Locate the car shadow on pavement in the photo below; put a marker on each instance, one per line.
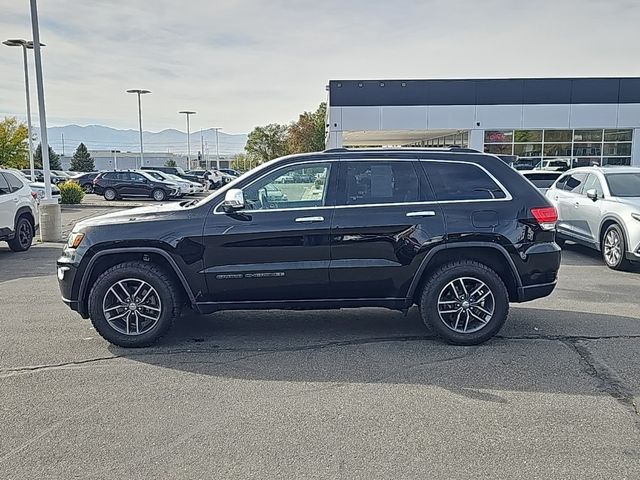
(38, 261)
(378, 346)
(575, 254)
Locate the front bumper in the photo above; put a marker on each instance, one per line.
(69, 284)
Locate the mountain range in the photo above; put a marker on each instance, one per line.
(99, 137)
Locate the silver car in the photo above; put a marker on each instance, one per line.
(600, 207)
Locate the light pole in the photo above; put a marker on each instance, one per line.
(18, 42)
(140, 92)
(115, 159)
(188, 113)
(217, 149)
(50, 216)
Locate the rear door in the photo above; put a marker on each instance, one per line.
(384, 224)
(568, 205)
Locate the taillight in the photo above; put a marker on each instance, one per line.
(34, 195)
(546, 217)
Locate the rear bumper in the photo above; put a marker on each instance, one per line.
(531, 292)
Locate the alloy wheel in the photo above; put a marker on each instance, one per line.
(466, 305)
(132, 306)
(612, 247)
(24, 234)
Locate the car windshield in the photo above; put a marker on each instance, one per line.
(180, 171)
(156, 175)
(624, 184)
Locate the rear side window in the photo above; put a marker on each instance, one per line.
(4, 186)
(14, 182)
(381, 182)
(453, 181)
(575, 182)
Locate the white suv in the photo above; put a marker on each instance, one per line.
(18, 211)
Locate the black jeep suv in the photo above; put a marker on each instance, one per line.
(456, 232)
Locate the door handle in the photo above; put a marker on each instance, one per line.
(426, 213)
(309, 219)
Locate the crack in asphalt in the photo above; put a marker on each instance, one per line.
(609, 382)
(257, 351)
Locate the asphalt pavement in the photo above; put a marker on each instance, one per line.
(349, 394)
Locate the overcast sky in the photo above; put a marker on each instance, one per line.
(250, 62)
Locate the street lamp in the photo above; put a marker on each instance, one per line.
(115, 158)
(140, 92)
(217, 149)
(18, 42)
(188, 113)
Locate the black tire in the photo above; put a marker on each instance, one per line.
(110, 194)
(87, 187)
(439, 284)
(613, 261)
(24, 235)
(159, 195)
(165, 287)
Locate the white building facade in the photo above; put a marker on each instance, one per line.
(587, 120)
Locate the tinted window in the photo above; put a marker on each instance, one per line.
(624, 184)
(136, 177)
(14, 182)
(4, 186)
(381, 182)
(461, 181)
(297, 186)
(561, 183)
(156, 175)
(593, 183)
(575, 182)
(541, 180)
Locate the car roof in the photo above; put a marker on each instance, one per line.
(543, 172)
(604, 170)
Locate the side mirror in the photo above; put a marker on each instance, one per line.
(233, 200)
(592, 193)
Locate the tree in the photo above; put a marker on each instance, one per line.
(170, 163)
(14, 152)
(243, 162)
(308, 133)
(54, 158)
(268, 142)
(81, 160)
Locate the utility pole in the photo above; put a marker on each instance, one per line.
(201, 147)
(140, 91)
(62, 144)
(217, 149)
(188, 113)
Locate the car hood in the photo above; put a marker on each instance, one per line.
(140, 214)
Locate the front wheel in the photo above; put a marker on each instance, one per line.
(134, 304)
(24, 236)
(159, 195)
(614, 248)
(464, 302)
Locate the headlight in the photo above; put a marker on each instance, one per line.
(636, 216)
(75, 239)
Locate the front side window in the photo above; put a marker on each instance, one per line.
(379, 181)
(593, 183)
(297, 186)
(624, 184)
(575, 182)
(454, 181)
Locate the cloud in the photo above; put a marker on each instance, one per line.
(241, 63)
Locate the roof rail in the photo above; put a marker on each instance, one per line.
(452, 148)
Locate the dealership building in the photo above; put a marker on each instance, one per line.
(586, 121)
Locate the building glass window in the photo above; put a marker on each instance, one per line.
(557, 150)
(527, 136)
(618, 135)
(587, 135)
(499, 148)
(527, 149)
(587, 149)
(498, 136)
(617, 149)
(553, 136)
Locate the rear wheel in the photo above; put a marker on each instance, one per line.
(87, 188)
(464, 302)
(110, 194)
(159, 195)
(24, 235)
(614, 248)
(134, 304)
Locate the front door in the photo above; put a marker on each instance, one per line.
(8, 204)
(384, 223)
(277, 247)
(137, 185)
(589, 214)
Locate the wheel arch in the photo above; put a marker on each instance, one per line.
(105, 259)
(24, 212)
(606, 222)
(493, 255)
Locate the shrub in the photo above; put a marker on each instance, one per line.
(71, 193)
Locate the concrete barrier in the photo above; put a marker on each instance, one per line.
(50, 221)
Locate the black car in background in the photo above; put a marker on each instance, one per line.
(175, 171)
(124, 183)
(456, 232)
(85, 180)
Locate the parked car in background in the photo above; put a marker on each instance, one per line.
(124, 183)
(37, 187)
(541, 179)
(18, 211)
(187, 187)
(385, 228)
(600, 207)
(555, 164)
(178, 171)
(230, 171)
(85, 180)
(55, 179)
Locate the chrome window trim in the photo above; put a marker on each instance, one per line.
(508, 197)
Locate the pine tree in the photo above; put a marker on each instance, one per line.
(81, 160)
(54, 158)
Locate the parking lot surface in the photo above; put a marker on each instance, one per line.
(342, 394)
